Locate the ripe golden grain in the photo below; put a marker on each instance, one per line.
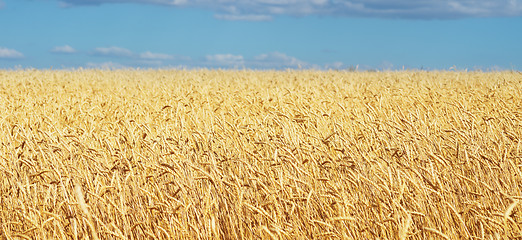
(167, 154)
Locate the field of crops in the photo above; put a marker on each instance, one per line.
(200, 154)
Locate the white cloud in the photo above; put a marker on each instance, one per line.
(155, 56)
(261, 10)
(63, 49)
(178, 2)
(278, 60)
(126, 53)
(135, 60)
(71, 3)
(225, 60)
(1, 4)
(7, 53)
(334, 65)
(273, 60)
(105, 65)
(113, 52)
(248, 17)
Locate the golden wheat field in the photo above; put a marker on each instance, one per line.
(214, 154)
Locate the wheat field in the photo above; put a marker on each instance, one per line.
(215, 154)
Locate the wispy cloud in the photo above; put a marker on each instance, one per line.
(262, 10)
(120, 52)
(105, 65)
(278, 60)
(225, 60)
(123, 58)
(72, 3)
(113, 52)
(155, 56)
(1, 4)
(273, 60)
(248, 17)
(6, 53)
(63, 49)
(335, 65)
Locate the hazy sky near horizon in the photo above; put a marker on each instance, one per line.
(262, 34)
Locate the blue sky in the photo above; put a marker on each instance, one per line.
(262, 34)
